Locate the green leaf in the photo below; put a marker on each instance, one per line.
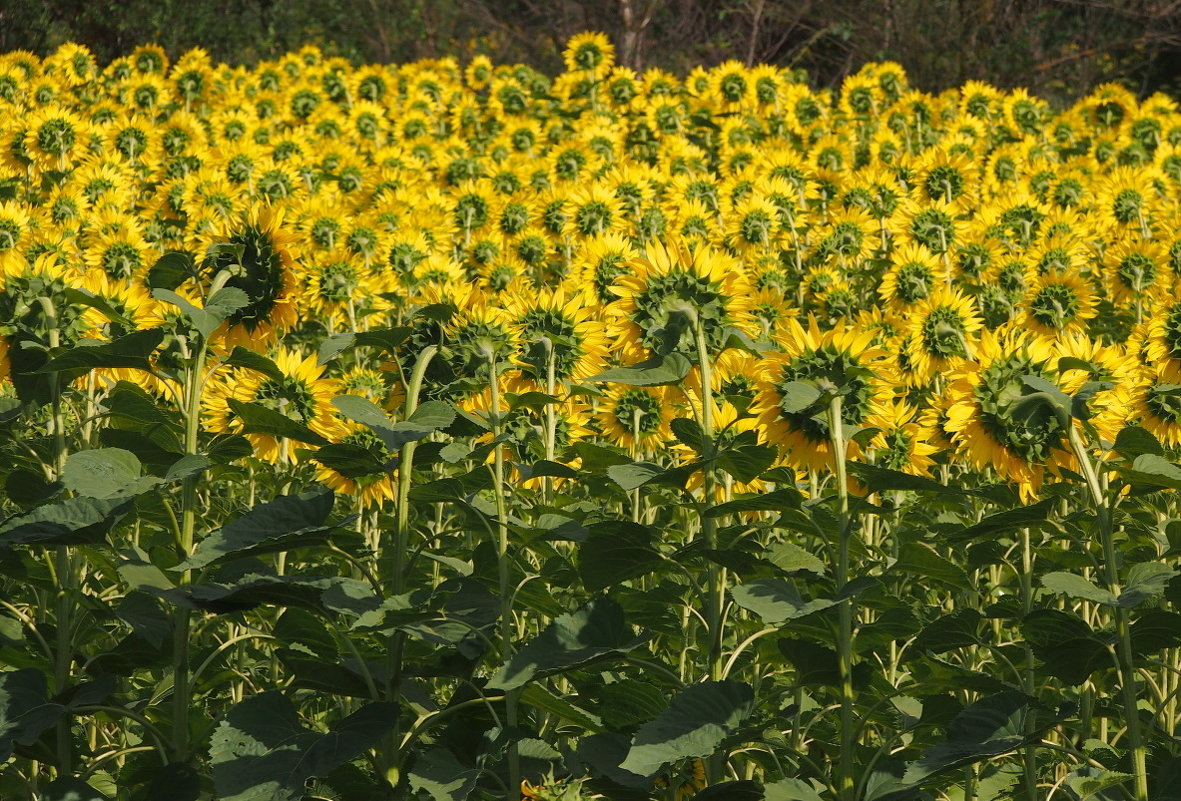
(351, 461)
(1133, 441)
(1154, 630)
(1153, 470)
(880, 479)
(616, 551)
(791, 790)
(441, 776)
(131, 351)
(776, 600)
(661, 371)
(920, 559)
(258, 419)
(1008, 520)
(536, 695)
(427, 418)
(946, 632)
(171, 270)
(261, 752)
(74, 521)
(1075, 586)
(634, 475)
(25, 709)
(217, 309)
(779, 500)
(739, 790)
(1145, 580)
(242, 357)
(988, 728)
(688, 433)
(796, 396)
(745, 462)
(696, 722)
(386, 339)
(251, 590)
(105, 473)
(592, 633)
(289, 521)
(790, 558)
(1087, 780)
(70, 789)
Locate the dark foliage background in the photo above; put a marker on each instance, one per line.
(1058, 48)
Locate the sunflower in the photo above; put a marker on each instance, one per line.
(590, 52)
(334, 285)
(263, 270)
(54, 138)
(636, 418)
(840, 359)
(556, 328)
(902, 443)
(993, 420)
(1132, 268)
(1059, 303)
(912, 278)
(355, 471)
(671, 291)
(595, 211)
(941, 330)
(16, 227)
(301, 394)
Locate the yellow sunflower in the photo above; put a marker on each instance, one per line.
(839, 359)
(302, 394)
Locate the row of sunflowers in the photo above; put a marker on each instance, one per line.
(657, 297)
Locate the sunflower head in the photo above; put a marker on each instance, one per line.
(259, 255)
(672, 292)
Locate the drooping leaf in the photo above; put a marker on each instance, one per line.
(287, 522)
(1145, 580)
(441, 776)
(796, 396)
(130, 351)
(778, 500)
(261, 751)
(694, 725)
(1152, 470)
(776, 600)
(661, 371)
(252, 360)
(881, 479)
(258, 419)
(25, 709)
(427, 418)
(920, 559)
(791, 790)
(616, 551)
(71, 789)
(1067, 647)
(790, 558)
(1075, 586)
(105, 473)
(593, 632)
(74, 521)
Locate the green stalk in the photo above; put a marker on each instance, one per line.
(845, 788)
(401, 548)
(502, 564)
(709, 526)
(1029, 752)
(64, 563)
(181, 687)
(1127, 667)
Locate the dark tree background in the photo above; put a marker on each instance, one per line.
(1058, 48)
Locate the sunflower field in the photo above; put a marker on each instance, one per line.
(442, 432)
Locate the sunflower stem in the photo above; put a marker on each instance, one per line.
(400, 549)
(1127, 666)
(502, 563)
(64, 567)
(845, 784)
(191, 393)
